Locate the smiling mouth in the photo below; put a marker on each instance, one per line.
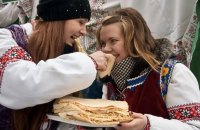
(74, 37)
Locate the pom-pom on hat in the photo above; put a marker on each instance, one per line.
(55, 10)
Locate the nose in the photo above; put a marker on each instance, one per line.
(83, 30)
(106, 48)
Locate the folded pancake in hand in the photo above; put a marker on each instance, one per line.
(94, 111)
(111, 61)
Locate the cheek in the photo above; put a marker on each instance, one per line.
(69, 30)
(122, 54)
(125, 54)
(66, 33)
(66, 38)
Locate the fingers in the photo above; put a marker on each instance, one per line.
(138, 123)
(136, 115)
(101, 60)
(125, 126)
(108, 56)
(139, 115)
(33, 22)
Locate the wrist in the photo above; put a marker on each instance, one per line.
(95, 63)
(147, 125)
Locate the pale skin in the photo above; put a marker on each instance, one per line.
(73, 29)
(112, 42)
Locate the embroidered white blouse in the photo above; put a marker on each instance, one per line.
(24, 83)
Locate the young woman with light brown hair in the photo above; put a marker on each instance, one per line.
(162, 93)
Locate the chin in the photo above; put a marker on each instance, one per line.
(117, 61)
(70, 42)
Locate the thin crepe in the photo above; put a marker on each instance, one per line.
(94, 111)
(111, 61)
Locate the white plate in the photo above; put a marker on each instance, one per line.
(76, 122)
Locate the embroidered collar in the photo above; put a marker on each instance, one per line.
(132, 83)
(166, 73)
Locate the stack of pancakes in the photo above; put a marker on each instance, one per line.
(94, 111)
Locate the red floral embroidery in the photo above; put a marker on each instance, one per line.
(185, 112)
(12, 55)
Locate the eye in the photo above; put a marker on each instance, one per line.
(82, 22)
(113, 41)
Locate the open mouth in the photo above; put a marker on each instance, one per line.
(74, 37)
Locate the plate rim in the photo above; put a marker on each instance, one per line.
(75, 122)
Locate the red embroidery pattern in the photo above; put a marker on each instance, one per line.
(148, 125)
(12, 55)
(185, 112)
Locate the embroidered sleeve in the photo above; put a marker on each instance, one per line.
(183, 97)
(24, 83)
(182, 101)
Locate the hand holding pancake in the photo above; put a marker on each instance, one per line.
(109, 66)
(100, 59)
(139, 123)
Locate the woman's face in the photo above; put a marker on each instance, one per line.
(112, 41)
(73, 29)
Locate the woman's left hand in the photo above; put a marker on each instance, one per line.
(138, 123)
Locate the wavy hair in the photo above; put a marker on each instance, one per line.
(139, 41)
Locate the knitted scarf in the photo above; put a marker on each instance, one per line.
(124, 70)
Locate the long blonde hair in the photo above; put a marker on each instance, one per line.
(138, 39)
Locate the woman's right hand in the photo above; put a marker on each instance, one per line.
(138, 123)
(101, 60)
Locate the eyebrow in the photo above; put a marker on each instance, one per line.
(84, 20)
